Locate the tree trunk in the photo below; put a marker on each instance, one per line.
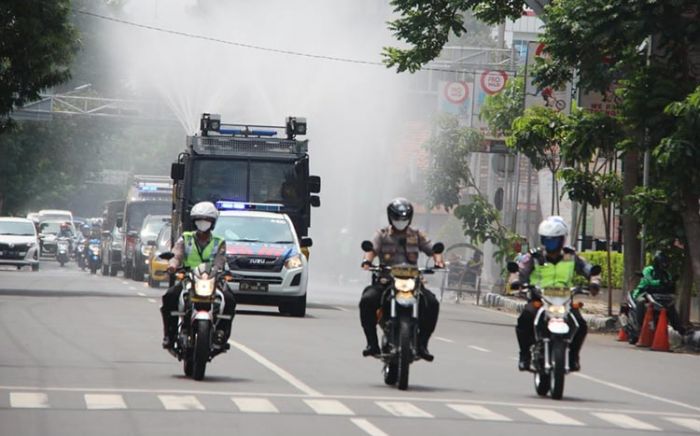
(691, 222)
(685, 290)
(630, 226)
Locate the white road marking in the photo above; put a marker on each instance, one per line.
(625, 421)
(255, 405)
(180, 402)
(483, 350)
(140, 294)
(402, 408)
(329, 407)
(367, 427)
(131, 288)
(341, 308)
(29, 400)
(102, 402)
(286, 376)
(690, 423)
(478, 412)
(449, 341)
(152, 300)
(636, 392)
(125, 282)
(551, 417)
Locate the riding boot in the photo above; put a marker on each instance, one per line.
(423, 347)
(574, 362)
(169, 329)
(372, 348)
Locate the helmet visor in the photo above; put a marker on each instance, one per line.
(552, 243)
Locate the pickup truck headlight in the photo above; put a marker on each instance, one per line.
(293, 262)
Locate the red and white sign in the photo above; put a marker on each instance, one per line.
(456, 92)
(493, 82)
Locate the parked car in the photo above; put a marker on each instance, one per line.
(19, 244)
(152, 224)
(157, 267)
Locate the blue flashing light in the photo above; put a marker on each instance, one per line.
(148, 188)
(238, 205)
(247, 132)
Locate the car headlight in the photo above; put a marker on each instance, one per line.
(293, 262)
(404, 285)
(204, 287)
(556, 310)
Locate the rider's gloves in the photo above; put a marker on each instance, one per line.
(515, 285)
(365, 264)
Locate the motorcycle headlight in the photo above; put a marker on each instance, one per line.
(146, 250)
(404, 284)
(557, 311)
(293, 262)
(204, 287)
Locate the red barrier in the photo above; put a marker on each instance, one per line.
(646, 336)
(661, 334)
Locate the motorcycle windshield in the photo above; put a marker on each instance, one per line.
(557, 296)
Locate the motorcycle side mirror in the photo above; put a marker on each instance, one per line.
(166, 256)
(438, 248)
(512, 267)
(596, 270)
(367, 246)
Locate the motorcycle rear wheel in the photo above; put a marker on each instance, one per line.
(202, 346)
(558, 370)
(405, 354)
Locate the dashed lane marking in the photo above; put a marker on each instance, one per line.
(140, 294)
(689, 423)
(403, 409)
(283, 374)
(180, 402)
(29, 400)
(551, 417)
(368, 427)
(478, 413)
(152, 300)
(483, 350)
(255, 405)
(329, 407)
(625, 421)
(104, 402)
(449, 341)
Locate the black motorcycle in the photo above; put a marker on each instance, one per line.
(399, 315)
(555, 327)
(659, 298)
(200, 308)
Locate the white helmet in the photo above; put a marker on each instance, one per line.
(204, 211)
(552, 227)
(553, 231)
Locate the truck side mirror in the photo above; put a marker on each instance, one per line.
(315, 200)
(177, 171)
(314, 184)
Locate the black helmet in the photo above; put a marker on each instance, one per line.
(661, 261)
(400, 213)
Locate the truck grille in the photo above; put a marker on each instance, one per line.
(260, 263)
(247, 278)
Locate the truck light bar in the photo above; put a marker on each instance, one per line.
(247, 132)
(240, 205)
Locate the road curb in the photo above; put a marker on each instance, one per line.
(595, 322)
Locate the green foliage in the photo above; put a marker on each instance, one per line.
(449, 150)
(502, 109)
(538, 135)
(37, 44)
(595, 189)
(426, 26)
(601, 258)
(660, 214)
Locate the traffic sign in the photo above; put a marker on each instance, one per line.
(493, 82)
(456, 92)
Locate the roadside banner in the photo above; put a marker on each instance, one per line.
(456, 98)
(555, 98)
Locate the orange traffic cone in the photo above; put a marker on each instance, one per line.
(661, 334)
(646, 336)
(622, 335)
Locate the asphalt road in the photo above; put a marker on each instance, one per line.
(81, 354)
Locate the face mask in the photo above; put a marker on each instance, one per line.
(400, 224)
(202, 225)
(552, 244)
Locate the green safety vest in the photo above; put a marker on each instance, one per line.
(549, 275)
(193, 256)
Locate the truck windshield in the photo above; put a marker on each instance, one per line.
(136, 212)
(227, 179)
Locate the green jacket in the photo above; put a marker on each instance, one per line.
(193, 256)
(651, 279)
(550, 275)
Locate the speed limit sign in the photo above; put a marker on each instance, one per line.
(456, 92)
(493, 82)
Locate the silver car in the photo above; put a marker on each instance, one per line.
(265, 256)
(19, 245)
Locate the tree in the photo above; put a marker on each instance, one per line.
(427, 25)
(502, 109)
(37, 44)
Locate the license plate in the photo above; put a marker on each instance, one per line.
(253, 286)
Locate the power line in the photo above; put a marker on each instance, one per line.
(257, 47)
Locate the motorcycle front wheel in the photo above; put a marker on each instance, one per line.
(405, 353)
(558, 370)
(202, 345)
(391, 373)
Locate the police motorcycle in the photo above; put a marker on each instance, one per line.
(554, 327)
(63, 250)
(94, 255)
(398, 315)
(201, 306)
(662, 297)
